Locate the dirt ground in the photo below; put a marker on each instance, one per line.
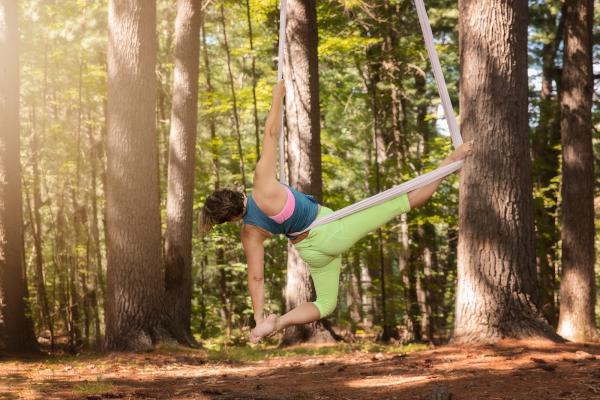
(529, 370)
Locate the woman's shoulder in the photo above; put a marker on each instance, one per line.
(249, 230)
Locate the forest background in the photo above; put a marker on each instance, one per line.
(375, 83)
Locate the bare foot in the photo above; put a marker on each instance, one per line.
(265, 328)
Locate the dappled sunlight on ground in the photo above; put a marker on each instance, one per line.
(509, 370)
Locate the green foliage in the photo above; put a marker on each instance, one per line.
(371, 58)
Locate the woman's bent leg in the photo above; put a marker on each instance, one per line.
(322, 251)
(327, 281)
(305, 313)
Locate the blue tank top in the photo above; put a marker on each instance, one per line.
(305, 212)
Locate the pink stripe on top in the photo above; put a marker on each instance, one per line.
(288, 209)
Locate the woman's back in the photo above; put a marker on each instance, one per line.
(298, 213)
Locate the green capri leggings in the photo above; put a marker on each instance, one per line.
(323, 246)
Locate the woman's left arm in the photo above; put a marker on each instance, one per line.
(252, 242)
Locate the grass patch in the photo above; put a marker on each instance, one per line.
(218, 352)
(93, 388)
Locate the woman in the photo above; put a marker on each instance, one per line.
(273, 208)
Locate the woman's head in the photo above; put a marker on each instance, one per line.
(223, 205)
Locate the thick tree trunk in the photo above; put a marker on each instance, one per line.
(16, 328)
(497, 289)
(304, 146)
(135, 281)
(182, 139)
(577, 285)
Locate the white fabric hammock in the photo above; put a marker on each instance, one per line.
(405, 187)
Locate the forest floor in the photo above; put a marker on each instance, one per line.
(512, 370)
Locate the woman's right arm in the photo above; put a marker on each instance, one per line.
(266, 168)
(255, 253)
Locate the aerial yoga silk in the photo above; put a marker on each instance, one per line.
(405, 187)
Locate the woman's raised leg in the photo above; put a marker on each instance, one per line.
(342, 234)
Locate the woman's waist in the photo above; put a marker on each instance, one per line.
(321, 211)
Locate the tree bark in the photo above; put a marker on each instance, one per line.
(304, 147)
(184, 118)
(577, 285)
(16, 328)
(135, 281)
(497, 293)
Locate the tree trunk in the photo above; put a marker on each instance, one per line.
(254, 78)
(182, 139)
(577, 285)
(354, 295)
(16, 328)
(376, 155)
(234, 104)
(389, 330)
(427, 290)
(409, 272)
(304, 147)
(37, 204)
(135, 281)
(75, 267)
(545, 140)
(210, 94)
(214, 148)
(497, 293)
(98, 291)
(225, 294)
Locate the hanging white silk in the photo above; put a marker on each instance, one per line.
(280, 66)
(405, 187)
